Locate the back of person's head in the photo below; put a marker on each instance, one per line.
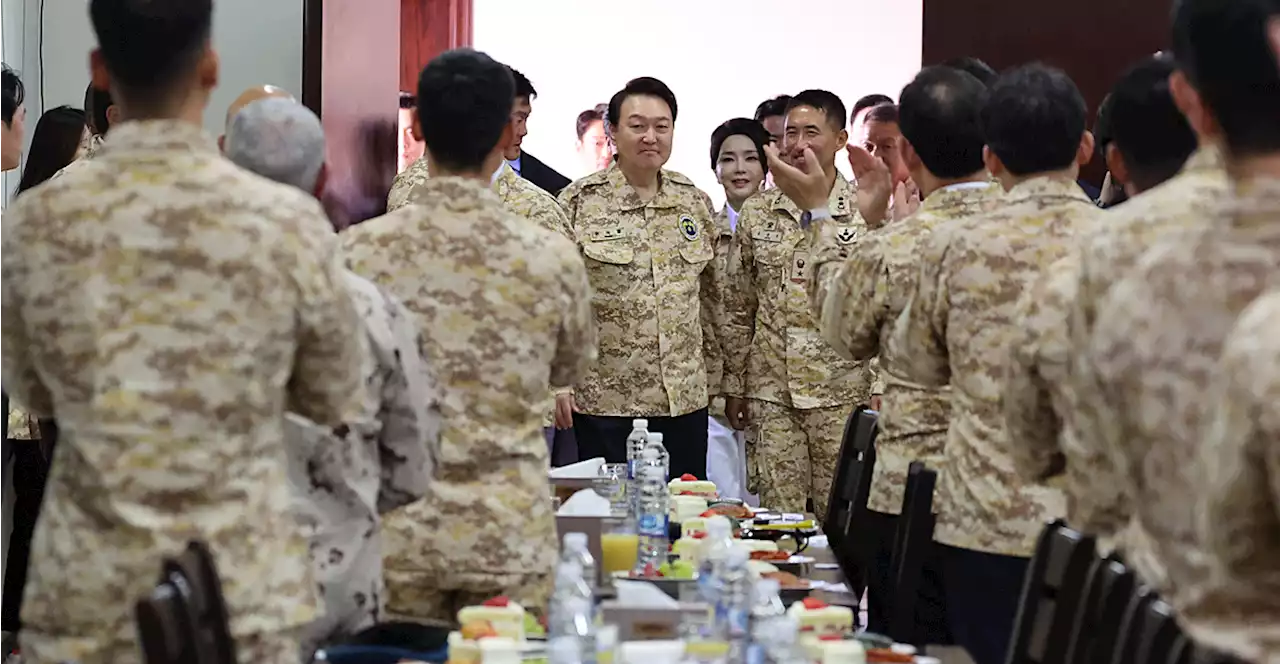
(97, 104)
(752, 129)
(524, 87)
(870, 101)
(464, 107)
(645, 86)
(591, 115)
(1223, 48)
(939, 115)
(770, 108)
(974, 67)
(13, 93)
(53, 145)
(1145, 126)
(147, 47)
(1034, 120)
(824, 101)
(280, 140)
(884, 113)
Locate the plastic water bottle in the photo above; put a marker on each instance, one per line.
(572, 611)
(715, 551)
(564, 650)
(773, 632)
(655, 442)
(635, 444)
(652, 503)
(732, 617)
(576, 552)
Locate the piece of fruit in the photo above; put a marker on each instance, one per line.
(709, 513)
(501, 601)
(478, 629)
(681, 569)
(688, 478)
(687, 493)
(813, 603)
(831, 637)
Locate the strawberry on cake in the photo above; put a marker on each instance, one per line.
(818, 619)
(690, 485)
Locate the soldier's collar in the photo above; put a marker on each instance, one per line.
(1205, 158)
(630, 200)
(162, 135)
(950, 196)
(1047, 186)
(461, 194)
(843, 199)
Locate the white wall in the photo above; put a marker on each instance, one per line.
(258, 41)
(720, 57)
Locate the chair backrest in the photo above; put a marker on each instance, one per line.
(1097, 625)
(1051, 596)
(848, 499)
(185, 619)
(1126, 649)
(912, 545)
(1160, 640)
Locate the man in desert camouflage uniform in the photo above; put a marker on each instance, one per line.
(857, 309)
(1150, 141)
(956, 331)
(345, 478)
(800, 391)
(649, 239)
(504, 307)
(1241, 461)
(1159, 331)
(169, 308)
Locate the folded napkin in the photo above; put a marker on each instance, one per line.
(583, 470)
(643, 595)
(585, 502)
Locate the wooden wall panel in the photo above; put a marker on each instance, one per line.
(1092, 40)
(427, 29)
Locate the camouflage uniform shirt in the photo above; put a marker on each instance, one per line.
(345, 478)
(773, 351)
(858, 309)
(1239, 524)
(168, 307)
(504, 308)
(957, 330)
(1154, 354)
(1182, 204)
(655, 293)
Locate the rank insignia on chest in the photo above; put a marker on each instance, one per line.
(688, 227)
(846, 234)
(842, 206)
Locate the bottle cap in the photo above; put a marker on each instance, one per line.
(640, 423)
(655, 437)
(719, 527)
(575, 541)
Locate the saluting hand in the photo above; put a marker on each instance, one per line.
(807, 188)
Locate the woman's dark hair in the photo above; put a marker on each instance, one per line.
(53, 145)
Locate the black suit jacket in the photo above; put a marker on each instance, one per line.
(542, 175)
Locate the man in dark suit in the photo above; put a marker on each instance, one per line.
(525, 164)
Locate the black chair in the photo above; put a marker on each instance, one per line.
(1051, 596)
(912, 546)
(184, 621)
(1160, 640)
(847, 503)
(1097, 625)
(1126, 650)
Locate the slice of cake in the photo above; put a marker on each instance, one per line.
(759, 545)
(817, 618)
(464, 645)
(688, 548)
(506, 617)
(687, 507)
(688, 485)
(695, 527)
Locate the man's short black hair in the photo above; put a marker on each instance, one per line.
(974, 67)
(14, 93)
(408, 101)
(870, 101)
(149, 45)
(1034, 119)
(524, 88)
(464, 104)
(1223, 48)
(772, 107)
(938, 114)
(752, 129)
(882, 113)
(645, 86)
(824, 101)
(1146, 126)
(96, 103)
(594, 114)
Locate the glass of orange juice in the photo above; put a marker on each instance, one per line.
(618, 544)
